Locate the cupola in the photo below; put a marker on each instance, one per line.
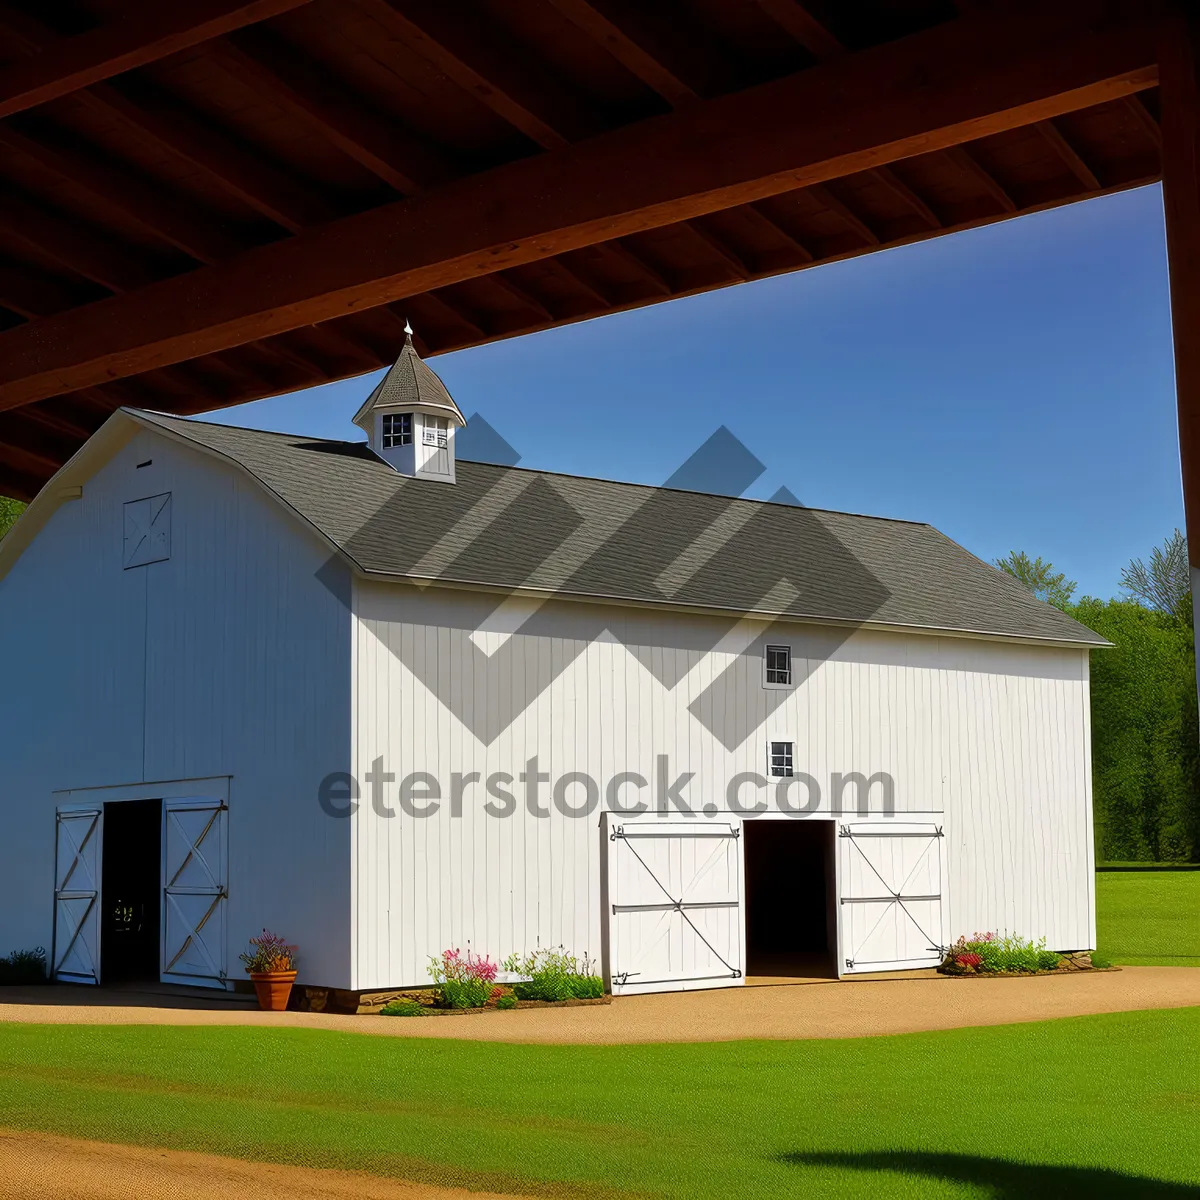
(410, 419)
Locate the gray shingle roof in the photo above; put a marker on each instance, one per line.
(510, 528)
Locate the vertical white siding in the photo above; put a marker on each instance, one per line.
(229, 659)
(992, 737)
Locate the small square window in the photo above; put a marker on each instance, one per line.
(779, 665)
(397, 430)
(434, 432)
(780, 756)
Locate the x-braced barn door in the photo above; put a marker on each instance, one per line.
(76, 954)
(890, 892)
(675, 905)
(195, 887)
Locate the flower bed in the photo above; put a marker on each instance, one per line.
(996, 955)
(553, 976)
(466, 983)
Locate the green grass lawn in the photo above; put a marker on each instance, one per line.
(1090, 1106)
(1149, 918)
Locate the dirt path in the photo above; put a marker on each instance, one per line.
(36, 1166)
(851, 1008)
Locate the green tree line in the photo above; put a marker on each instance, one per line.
(1145, 741)
(10, 510)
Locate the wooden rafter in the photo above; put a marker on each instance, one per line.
(522, 295)
(1145, 118)
(1070, 156)
(643, 39)
(156, 117)
(823, 196)
(470, 48)
(79, 247)
(729, 258)
(32, 294)
(967, 163)
(617, 249)
(240, 170)
(396, 155)
(954, 82)
(154, 31)
(804, 28)
(824, 46)
(168, 217)
(905, 194)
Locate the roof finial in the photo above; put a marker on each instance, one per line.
(408, 329)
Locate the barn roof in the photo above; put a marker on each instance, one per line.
(524, 530)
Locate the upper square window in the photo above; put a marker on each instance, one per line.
(779, 756)
(397, 430)
(779, 664)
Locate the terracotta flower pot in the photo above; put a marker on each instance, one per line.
(273, 988)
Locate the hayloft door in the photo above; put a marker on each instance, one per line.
(195, 889)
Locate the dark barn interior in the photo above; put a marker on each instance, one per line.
(131, 891)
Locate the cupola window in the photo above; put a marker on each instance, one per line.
(397, 430)
(433, 432)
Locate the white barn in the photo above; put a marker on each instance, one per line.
(386, 704)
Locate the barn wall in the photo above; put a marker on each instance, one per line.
(230, 659)
(993, 737)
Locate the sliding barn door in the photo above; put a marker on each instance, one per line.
(890, 895)
(674, 891)
(195, 889)
(76, 953)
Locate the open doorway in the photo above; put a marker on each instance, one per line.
(791, 926)
(131, 891)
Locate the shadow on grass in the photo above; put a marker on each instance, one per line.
(1004, 1180)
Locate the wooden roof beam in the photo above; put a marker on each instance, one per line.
(793, 17)
(51, 445)
(151, 31)
(729, 258)
(484, 60)
(823, 196)
(952, 83)
(453, 311)
(906, 195)
(636, 262)
(804, 28)
(401, 158)
(20, 485)
(968, 163)
(31, 294)
(793, 243)
(79, 248)
(644, 39)
(1069, 155)
(160, 211)
(24, 455)
(172, 217)
(41, 416)
(1145, 118)
(242, 171)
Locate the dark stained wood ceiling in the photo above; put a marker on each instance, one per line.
(156, 160)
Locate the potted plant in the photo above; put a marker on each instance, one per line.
(271, 964)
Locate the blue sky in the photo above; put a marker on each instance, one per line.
(1011, 385)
